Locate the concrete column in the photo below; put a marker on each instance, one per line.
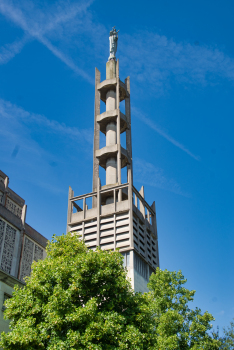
(111, 171)
(111, 134)
(111, 163)
(96, 135)
(110, 100)
(111, 69)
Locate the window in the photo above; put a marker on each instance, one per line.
(5, 297)
(126, 260)
(141, 266)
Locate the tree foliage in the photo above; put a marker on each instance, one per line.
(176, 325)
(227, 340)
(75, 299)
(80, 299)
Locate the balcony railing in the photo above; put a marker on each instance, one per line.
(82, 207)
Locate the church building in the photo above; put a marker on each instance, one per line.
(20, 244)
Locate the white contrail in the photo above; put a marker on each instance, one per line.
(153, 126)
(7, 52)
(16, 16)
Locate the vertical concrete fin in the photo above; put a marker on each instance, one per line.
(130, 200)
(142, 191)
(6, 181)
(142, 207)
(23, 215)
(128, 131)
(98, 210)
(70, 207)
(154, 224)
(118, 130)
(84, 208)
(96, 134)
(154, 220)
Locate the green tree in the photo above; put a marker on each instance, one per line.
(76, 299)
(227, 340)
(176, 325)
(80, 299)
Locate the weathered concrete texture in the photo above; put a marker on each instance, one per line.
(13, 230)
(111, 134)
(110, 100)
(118, 131)
(111, 163)
(96, 133)
(116, 219)
(16, 254)
(111, 171)
(36, 236)
(111, 69)
(10, 217)
(110, 116)
(3, 175)
(128, 131)
(130, 269)
(15, 197)
(138, 282)
(70, 207)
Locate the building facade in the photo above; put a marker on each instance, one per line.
(20, 244)
(119, 216)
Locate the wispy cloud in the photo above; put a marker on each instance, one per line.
(68, 61)
(158, 61)
(37, 26)
(8, 51)
(69, 30)
(39, 163)
(163, 133)
(147, 174)
(14, 112)
(31, 160)
(221, 313)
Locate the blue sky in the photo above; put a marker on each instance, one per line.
(180, 58)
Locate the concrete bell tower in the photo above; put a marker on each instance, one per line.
(119, 216)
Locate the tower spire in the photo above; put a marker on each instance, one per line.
(119, 217)
(112, 123)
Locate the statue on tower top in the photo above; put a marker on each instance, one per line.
(113, 38)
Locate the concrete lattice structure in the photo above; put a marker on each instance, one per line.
(20, 244)
(119, 217)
